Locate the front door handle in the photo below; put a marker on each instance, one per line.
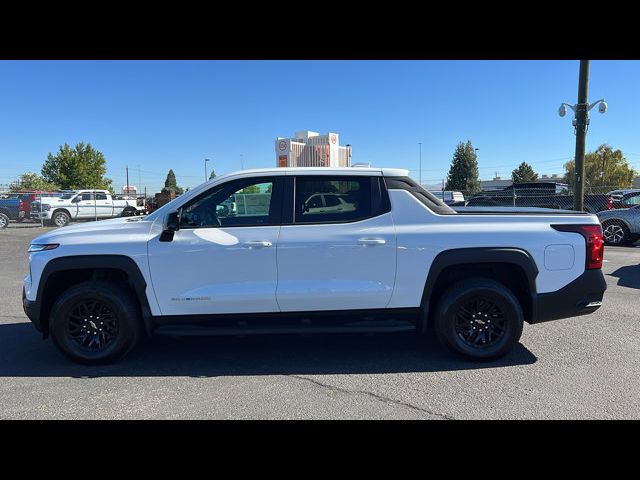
(371, 241)
(257, 244)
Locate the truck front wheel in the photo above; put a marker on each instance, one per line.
(478, 318)
(60, 218)
(95, 322)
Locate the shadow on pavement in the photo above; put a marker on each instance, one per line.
(24, 354)
(629, 276)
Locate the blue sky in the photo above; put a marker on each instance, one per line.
(156, 115)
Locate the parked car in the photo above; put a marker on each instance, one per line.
(326, 203)
(27, 199)
(528, 197)
(618, 194)
(81, 205)
(400, 261)
(628, 200)
(621, 226)
(10, 207)
(448, 196)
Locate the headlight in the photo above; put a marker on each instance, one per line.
(46, 207)
(39, 247)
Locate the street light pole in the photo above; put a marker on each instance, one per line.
(581, 124)
(420, 172)
(205, 169)
(581, 134)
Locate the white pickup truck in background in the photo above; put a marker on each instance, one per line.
(82, 205)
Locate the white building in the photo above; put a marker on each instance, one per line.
(310, 149)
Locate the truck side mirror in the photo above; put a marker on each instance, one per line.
(170, 226)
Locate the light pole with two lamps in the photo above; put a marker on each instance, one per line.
(581, 125)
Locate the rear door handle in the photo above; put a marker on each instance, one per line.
(371, 241)
(257, 244)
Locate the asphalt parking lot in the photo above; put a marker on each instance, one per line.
(580, 368)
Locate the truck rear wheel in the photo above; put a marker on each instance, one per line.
(479, 318)
(95, 322)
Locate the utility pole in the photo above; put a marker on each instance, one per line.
(420, 171)
(205, 169)
(581, 134)
(127, 187)
(581, 124)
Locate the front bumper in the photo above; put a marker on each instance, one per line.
(580, 297)
(32, 310)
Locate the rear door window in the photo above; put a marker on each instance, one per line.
(346, 199)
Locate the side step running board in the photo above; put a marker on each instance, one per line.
(360, 327)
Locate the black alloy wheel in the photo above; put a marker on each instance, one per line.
(95, 322)
(478, 318)
(92, 325)
(480, 323)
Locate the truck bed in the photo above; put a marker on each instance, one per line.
(515, 211)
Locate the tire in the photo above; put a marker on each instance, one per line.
(615, 233)
(128, 212)
(4, 221)
(459, 330)
(60, 218)
(78, 309)
(20, 219)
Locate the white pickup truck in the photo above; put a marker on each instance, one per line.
(394, 259)
(81, 205)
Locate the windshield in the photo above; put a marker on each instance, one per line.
(168, 207)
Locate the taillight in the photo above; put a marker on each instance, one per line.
(609, 203)
(595, 243)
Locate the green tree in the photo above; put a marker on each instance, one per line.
(213, 175)
(75, 168)
(605, 167)
(251, 189)
(524, 173)
(463, 173)
(171, 185)
(33, 181)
